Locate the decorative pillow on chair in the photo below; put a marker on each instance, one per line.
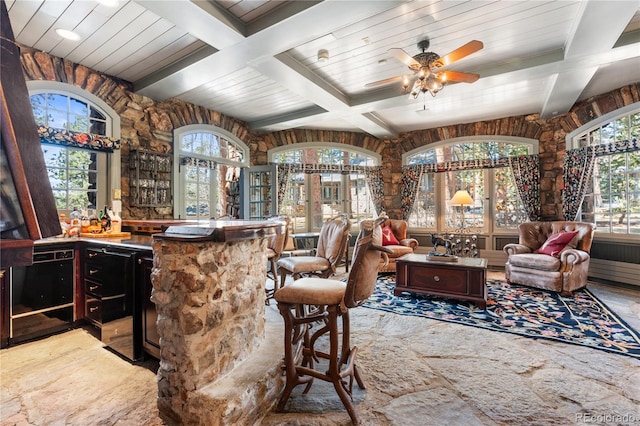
(388, 239)
(556, 243)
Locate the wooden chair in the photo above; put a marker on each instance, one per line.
(312, 300)
(332, 245)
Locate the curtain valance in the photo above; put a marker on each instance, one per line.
(344, 169)
(199, 162)
(451, 166)
(81, 140)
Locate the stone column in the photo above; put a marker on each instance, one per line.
(210, 300)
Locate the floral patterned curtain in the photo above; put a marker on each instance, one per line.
(411, 176)
(283, 180)
(577, 168)
(373, 175)
(525, 170)
(77, 139)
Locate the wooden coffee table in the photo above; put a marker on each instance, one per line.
(464, 279)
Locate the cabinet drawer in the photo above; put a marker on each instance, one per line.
(105, 310)
(449, 280)
(100, 290)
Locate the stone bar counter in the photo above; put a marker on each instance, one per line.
(209, 290)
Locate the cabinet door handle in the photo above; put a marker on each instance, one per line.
(436, 278)
(93, 271)
(93, 309)
(92, 287)
(139, 261)
(92, 255)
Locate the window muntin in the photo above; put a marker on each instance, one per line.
(62, 111)
(311, 199)
(612, 200)
(211, 146)
(497, 205)
(73, 173)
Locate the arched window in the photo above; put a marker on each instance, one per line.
(80, 177)
(606, 160)
(316, 193)
(207, 166)
(479, 166)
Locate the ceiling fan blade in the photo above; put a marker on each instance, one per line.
(403, 57)
(460, 77)
(385, 81)
(461, 52)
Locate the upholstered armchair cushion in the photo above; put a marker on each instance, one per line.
(564, 271)
(405, 244)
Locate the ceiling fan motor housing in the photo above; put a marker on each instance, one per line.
(426, 59)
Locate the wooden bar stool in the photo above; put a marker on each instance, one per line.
(323, 301)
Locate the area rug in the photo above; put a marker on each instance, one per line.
(580, 319)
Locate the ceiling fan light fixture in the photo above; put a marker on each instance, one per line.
(428, 70)
(323, 55)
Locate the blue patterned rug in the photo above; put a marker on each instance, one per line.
(580, 319)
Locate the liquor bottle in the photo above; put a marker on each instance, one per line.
(116, 222)
(105, 219)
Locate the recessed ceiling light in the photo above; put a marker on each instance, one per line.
(323, 55)
(69, 35)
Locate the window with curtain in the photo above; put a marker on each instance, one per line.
(311, 198)
(497, 205)
(612, 193)
(74, 173)
(208, 160)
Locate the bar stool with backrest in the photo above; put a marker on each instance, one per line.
(332, 245)
(275, 247)
(324, 301)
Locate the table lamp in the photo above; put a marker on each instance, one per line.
(461, 198)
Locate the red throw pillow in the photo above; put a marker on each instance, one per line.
(557, 242)
(388, 239)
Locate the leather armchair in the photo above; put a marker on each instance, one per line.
(565, 273)
(405, 244)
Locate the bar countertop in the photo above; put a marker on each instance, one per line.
(222, 230)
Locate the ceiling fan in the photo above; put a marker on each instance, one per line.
(428, 68)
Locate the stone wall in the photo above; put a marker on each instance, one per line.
(149, 124)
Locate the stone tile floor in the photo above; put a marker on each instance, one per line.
(418, 372)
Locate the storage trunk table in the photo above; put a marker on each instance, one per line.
(463, 279)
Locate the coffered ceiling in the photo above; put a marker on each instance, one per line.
(258, 60)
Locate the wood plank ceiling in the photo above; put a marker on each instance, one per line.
(257, 60)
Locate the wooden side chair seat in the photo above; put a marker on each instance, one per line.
(324, 301)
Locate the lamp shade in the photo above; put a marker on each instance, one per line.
(461, 198)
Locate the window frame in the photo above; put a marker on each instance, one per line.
(572, 141)
(179, 176)
(345, 182)
(489, 202)
(109, 164)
